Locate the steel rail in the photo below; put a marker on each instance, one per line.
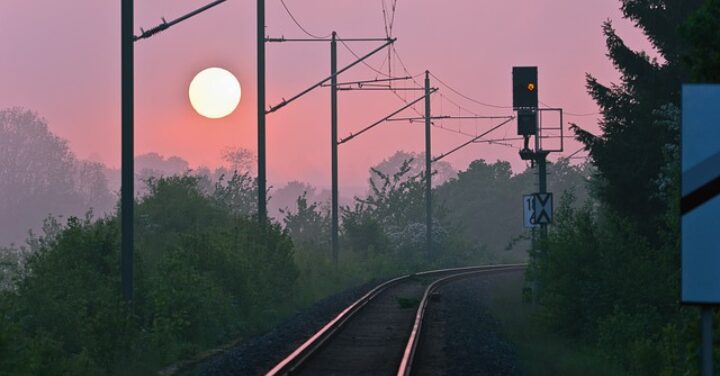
(405, 367)
(299, 356)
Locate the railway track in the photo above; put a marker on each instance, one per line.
(379, 333)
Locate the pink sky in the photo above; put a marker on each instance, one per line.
(62, 59)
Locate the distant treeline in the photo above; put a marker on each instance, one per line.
(206, 272)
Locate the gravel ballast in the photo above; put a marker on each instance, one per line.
(256, 355)
(461, 337)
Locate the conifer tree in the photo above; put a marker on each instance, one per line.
(629, 152)
(702, 33)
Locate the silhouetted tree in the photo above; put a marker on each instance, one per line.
(702, 32)
(629, 152)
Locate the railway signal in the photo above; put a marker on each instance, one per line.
(538, 206)
(525, 87)
(525, 102)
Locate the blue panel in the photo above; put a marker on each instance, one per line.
(701, 226)
(700, 123)
(701, 254)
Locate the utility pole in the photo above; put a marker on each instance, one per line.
(262, 179)
(127, 189)
(542, 188)
(541, 160)
(127, 105)
(334, 88)
(334, 145)
(428, 169)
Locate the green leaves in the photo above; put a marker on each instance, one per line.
(702, 33)
(204, 273)
(629, 154)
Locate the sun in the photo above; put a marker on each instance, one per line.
(214, 93)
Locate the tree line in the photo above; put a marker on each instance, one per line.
(206, 272)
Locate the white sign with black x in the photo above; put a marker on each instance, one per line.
(543, 208)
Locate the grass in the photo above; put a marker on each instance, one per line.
(540, 351)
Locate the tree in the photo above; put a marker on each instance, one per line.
(241, 160)
(308, 224)
(91, 184)
(484, 200)
(39, 175)
(629, 152)
(203, 275)
(442, 170)
(285, 199)
(702, 32)
(609, 271)
(237, 194)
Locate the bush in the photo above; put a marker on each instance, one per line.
(203, 275)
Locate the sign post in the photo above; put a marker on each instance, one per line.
(700, 206)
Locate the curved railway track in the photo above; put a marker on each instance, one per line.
(379, 333)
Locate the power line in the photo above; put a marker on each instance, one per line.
(407, 72)
(496, 141)
(576, 153)
(347, 47)
(466, 96)
(392, 18)
(472, 140)
(300, 26)
(389, 19)
(373, 125)
(385, 18)
(411, 76)
(573, 113)
(285, 102)
(404, 67)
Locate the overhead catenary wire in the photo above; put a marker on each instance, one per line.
(388, 75)
(575, 153)
(392, 18)
(299, 25)
(365, 63)
(319, 84)
(385, 18)
(573, 113)
(496, 141)
(373, 125)
(399, 59)
(467, 97)
(417, 85)
(472, 140)
(389, 20)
